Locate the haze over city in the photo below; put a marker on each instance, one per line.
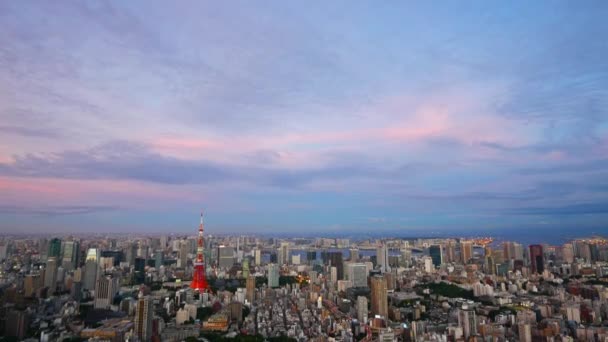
(285, 118)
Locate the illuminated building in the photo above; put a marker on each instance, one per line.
(199, 279)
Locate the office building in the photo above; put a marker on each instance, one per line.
(273, 275)
(143, 318)
(91, 268)
(379, 295)
(71, 253)
(250, 286)
(105, 290)
(283, 254)
(225, 257)
(466, 251)
(382, 258)
(50, 274)
(362, 312)
(436, 253)
(357, 274)
(537, 263)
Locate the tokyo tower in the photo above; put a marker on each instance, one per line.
(199, 280)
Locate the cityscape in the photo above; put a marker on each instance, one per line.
(218, 287)
(327, 171)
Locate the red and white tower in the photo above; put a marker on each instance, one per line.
(199, 280)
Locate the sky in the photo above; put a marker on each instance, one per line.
(284, 117)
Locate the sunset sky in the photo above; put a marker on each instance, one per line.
(300, 117)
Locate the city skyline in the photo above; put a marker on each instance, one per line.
(405, 119)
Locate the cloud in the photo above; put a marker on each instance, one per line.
(51, 211)
(28, 132)
(123, 160)
(590, 208)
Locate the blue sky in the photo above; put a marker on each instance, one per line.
(289, 118)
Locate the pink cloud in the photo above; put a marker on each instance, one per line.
(15, 190)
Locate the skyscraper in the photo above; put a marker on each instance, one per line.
(283, 253)
(335, 259)
(354, 254)
(537, 263)
(225, 255)
(379, 296)
(436, 253)
(143, 318)
(273, 275)
(17, 323)
(50, 274)
(382, 258)
(105, 290)
(250, 285)
(357, 274)
(158, 258)
(466, 251)
(450, 252)
(54, 248)
(91, 268)
(71, 252)
(257, 256)
(362, 309)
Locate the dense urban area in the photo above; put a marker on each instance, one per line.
(138, 288)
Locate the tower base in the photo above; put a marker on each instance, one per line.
(199, 280)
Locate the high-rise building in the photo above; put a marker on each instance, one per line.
(354, 255)
(105, 290)
(184, 250)
(131, 254)
(250, 285)
(406, 257)
(382, 258)
(4, 250)
(17, 323)
(450, 251)
(537, 262)
(357, 274)
(54, 248)
(335, 259)
(436, 253)
(31, 284)
(199, 278)
(466, 251)
(158, 258)
(512, 251)
(143, 318)
(139, 270)
(225, 257)
(467, 321)
(258, 257)
(567, 253)
(379, 296)
(50, 274)
(311, 257)
(362, 309)
(283, 254)
(525, 332)
(91, 268)
(273, 275)
(245, 268)
(71, 252)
